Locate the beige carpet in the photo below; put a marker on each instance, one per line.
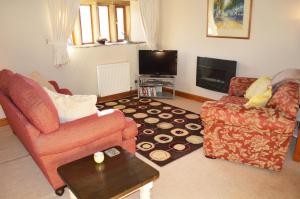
(190, 177)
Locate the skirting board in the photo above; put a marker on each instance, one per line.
(117, 96)
(188, 95)
(3, 122)
(134, 92)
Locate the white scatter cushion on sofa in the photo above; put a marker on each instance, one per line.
(73, 107)
(41, 80)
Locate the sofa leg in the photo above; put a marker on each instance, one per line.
(209, 157)
(60, 191)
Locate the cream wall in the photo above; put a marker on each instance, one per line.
(274, 44)
(24, 30)
(23, 48)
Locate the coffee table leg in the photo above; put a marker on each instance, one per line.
(145, 191)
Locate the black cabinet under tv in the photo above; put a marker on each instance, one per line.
(152, 86)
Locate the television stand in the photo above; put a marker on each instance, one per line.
(152, 86)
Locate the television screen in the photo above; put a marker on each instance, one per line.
(158, 62)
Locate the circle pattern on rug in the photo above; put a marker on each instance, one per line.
(153, 111)
(159, 155)
(145, 146)
(155, 103)
(111, 103)
(148, 131)
(129, 110)
(123, 100)
(192, 116)
(166, 108)
(165, 125)
(165, 115)
(145, 100)
(193, 126)
(161, 127)
(179, 121)
(163, 138)
(99, 106)
(194, 139)
(142, 107)
(151, 120)
(120, 107)
(179, 132)
(178, 111)
(140, 115)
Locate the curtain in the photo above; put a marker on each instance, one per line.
(62, 15)
(150, 19)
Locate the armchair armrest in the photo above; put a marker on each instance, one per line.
(261, 119)
(81, 132)
(239, 85)
(60, 90)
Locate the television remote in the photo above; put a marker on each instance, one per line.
(112, 152)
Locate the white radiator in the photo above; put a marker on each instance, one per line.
(113, 78)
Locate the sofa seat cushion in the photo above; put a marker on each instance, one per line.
(286, 99)
(233, 100)
(34, 103)
(5, 77)
(81, 132)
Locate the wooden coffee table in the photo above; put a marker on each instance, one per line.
(116, 177)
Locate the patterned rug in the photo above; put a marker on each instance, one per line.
(166, 132)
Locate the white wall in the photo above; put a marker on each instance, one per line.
(23, 49)
(274, 44)
(24, 30)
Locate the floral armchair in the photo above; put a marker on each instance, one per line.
(255, 136)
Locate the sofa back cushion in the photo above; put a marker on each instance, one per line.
(5, 76)
(34, 102)
(286, 99)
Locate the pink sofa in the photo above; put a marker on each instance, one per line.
(34, 119)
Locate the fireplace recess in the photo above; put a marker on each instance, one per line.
(215, 74)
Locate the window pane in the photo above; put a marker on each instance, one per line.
(120, 23)
(86, 24)
(103, 22)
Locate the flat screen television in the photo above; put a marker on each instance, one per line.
(158, 62)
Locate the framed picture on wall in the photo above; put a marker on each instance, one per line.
(229, 18)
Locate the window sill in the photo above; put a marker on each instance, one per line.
(107, 44)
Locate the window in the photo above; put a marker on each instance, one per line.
(120, 17)
(86, 24)
(104, 22)
(102, 19)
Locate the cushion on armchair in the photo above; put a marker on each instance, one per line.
(259, 87)
(260, 100)
(285, 99)
(34, 102)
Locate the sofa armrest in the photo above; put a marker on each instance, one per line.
(260, 119)
(82, 132)
(239, 85)
(130, 130)
(64, 91)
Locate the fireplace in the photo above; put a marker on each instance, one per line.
(215, 74)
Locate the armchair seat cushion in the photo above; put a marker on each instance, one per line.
(233, 100)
